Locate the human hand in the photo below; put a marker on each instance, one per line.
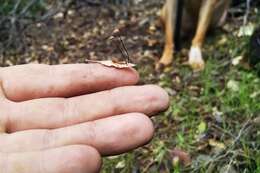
(63, 118)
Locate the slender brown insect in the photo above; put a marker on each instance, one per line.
(116, 37)
(117, 40)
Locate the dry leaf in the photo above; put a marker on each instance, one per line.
(217, 144)
(233, 85)
(237, 60)
(246, 30)
(182, 156)
(110, 63)
(47, 48)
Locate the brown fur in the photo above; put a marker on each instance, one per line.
(198, 16)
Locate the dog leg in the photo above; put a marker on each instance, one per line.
(168, 16)
(195, 55)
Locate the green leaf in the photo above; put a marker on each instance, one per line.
(202, 127)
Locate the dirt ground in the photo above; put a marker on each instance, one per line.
(211, 126)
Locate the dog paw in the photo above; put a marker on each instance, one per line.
(195, 59)
(167, 58)
(159, 67)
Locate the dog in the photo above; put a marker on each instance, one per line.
(198, 16)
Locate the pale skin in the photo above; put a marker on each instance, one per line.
(64, 118)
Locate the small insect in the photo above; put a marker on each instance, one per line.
(120, 45)
(114, 62)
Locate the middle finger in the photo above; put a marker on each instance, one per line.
(49, 113)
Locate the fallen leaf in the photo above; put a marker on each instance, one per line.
(120, 164)
(217, 115)
(47, 48)
(246, 30)
(228, 169)
(110, 63)
(182, 156)
(222, 41)
(58, 15)
(237, 60)
(152, 42)
(217, 144)
(202, 127)
(233, 85)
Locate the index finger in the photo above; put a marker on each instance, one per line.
(25, 82)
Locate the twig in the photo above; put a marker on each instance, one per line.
(45, 17)
(247, 12)
(14, 23)
(241, 132)
(28, 6)
(223, 130)
(228, 150)
(16, 7)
